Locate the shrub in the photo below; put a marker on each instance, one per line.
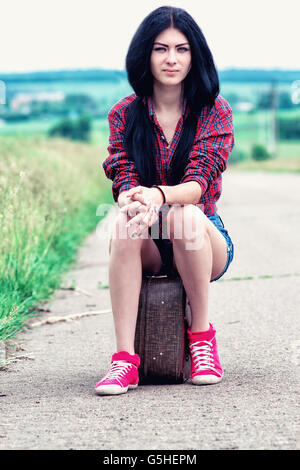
(289, 128)
(237, 155)
(75, 129)
(259, 152)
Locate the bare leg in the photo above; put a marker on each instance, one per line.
(194, 268)
(127, 259)
(197, 266)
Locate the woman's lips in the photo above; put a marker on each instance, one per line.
(170, 72)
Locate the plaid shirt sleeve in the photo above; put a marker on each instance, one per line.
(118, 166)
(212, 145)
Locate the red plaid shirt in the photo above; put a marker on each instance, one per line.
(213, 142)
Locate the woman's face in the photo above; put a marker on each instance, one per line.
(170, 57)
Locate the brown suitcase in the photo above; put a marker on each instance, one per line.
(160, 337)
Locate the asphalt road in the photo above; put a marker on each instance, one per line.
(46, 390)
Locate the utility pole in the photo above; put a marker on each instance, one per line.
(273, 119)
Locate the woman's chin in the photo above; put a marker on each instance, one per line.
(169, 81)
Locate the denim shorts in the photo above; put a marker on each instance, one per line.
(218, 222)
(165, 248)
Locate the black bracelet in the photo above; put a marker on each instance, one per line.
(163, 194)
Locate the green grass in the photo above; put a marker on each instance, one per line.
(40, 127)
(100, 132)
(250, 129)
(248, 90)
(287, 158)
(263, 276)
(254, 128)
(49, 192)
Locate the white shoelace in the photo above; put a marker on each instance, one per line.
(202, 355)
(117, 370)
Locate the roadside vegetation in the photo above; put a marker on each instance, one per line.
(49, 192)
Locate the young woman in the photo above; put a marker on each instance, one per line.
(169, 144)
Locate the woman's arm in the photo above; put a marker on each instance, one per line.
(184, 193)
(208, 156)
(118, 166)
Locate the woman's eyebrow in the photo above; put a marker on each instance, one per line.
(165, 45)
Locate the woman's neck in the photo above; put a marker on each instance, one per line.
(167, 99)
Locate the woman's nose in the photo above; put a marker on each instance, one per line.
(171, 59)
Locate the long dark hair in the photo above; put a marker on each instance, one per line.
(200, 89)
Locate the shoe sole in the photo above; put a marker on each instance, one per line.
(206, 379)
(113, 389)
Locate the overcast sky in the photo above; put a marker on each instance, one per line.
(73, 34)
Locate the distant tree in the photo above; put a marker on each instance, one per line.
(80, 102)
(237, 155)
(264, 100)
(82, 128)
(75, 129)
(232, 98)
(63, 128)
(289, 128)
(284, 100)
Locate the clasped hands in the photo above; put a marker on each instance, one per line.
(141, 204)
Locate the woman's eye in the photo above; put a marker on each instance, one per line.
(163, 49)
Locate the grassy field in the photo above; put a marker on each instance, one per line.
(49, 192)
(281, 164)
(249, 130)
(39, 127)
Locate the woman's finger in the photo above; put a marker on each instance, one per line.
(133, 208)
(135, 220)
(138, 218)
(142, 225)
(153, 219)
(154, 216)
(145, 221)
(141, 198)
(150, 217)
(132, 191)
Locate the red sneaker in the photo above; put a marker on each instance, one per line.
(205, 368)
(122, 375)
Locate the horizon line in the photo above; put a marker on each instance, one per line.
(87, 69)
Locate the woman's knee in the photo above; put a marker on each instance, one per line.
(186, 223)
(122, 237)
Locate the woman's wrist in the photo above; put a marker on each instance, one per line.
(123, 199)
(188, 192)
(161, 192)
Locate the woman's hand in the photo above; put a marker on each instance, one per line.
(142, 206)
